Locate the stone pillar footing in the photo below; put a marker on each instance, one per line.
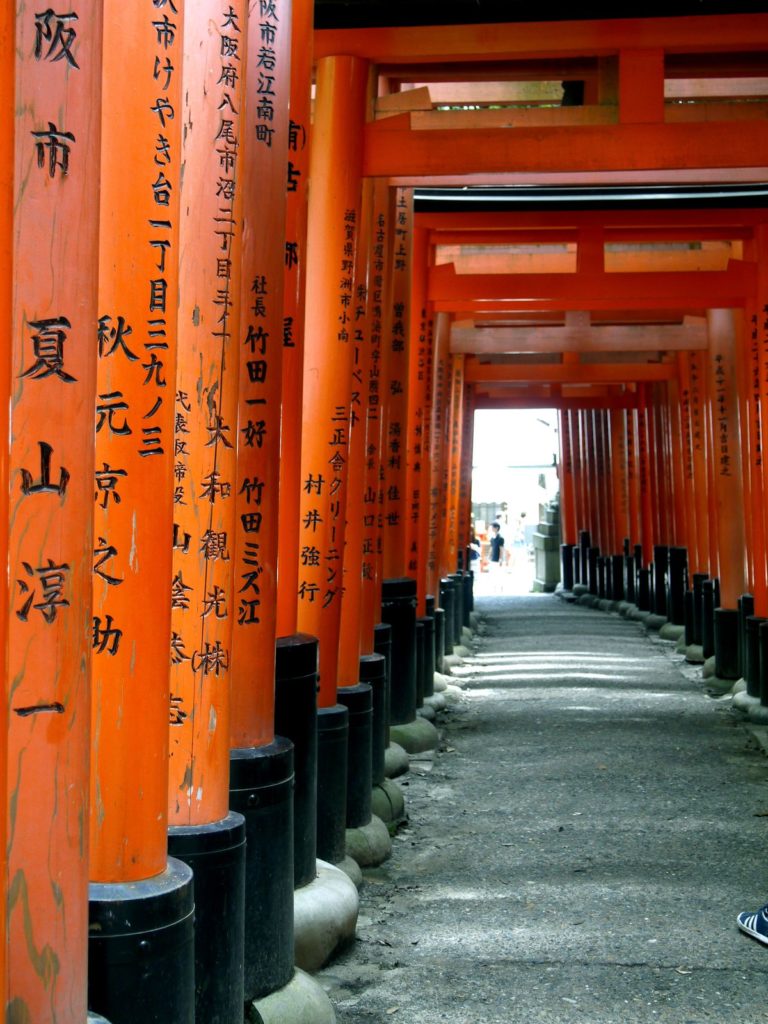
(301, 1001)
(324, 916)
(369, 845)
(388, 802)
(415, 736)
(396, 761)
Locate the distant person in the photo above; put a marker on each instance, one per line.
(474, 550)
(496, 541)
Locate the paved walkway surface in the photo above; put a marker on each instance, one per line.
(577, 849)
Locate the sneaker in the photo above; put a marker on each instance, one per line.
(755, 924)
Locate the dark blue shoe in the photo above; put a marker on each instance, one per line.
(755, 924)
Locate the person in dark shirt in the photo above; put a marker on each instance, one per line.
(496, 542)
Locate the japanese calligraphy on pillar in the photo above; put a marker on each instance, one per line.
(296, 178)
(262, 337)
(135, 339)
(418, 465)
(53, 239)
(373, 493)
(396, 398)
(722, 389)
(205, 416)
(438, 454)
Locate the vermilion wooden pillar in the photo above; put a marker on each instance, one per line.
(419, 333)
(697, 397)
(134, 498)
(465, 474)
(133, 587)
(426, 343)
(334, 212)
(205, 435)
(265, 148)
(7, 76)
(297, 180)
(633, 491)
(439, 417)
(48, 310)
(372, 493)
(453, 465)
(396, 383)
(356, 559)
(676, 465)
(618, 447)
(686, 455)
(722, 378)
(647, 536)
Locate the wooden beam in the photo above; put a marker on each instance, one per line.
(525, 401)
(618, 221)
(511, 41)
(393, 149)
(640, 338)
(732, 287)
(571, 373)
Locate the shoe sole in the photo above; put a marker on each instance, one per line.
(750, 931)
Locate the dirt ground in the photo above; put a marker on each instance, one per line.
(578, 847)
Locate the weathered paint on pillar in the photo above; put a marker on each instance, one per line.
(420, 331)
(205, 438)
(356, 559)
(297, 180)
(50, 243)
(724, 326)
(372, 494)
(264, 148)
(334, 212)
(396, 359)
(7, 77)
(134, 494)
(439, 417)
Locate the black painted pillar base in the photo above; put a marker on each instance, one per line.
(698, 606)
(446, 603)
(469, 596)
(398, 608)
(710, 599)
(358, 700)
(746, 605)
(420, 656)
(566, 566)
(678, 584)
(439, 639)
(373, 670)
(458, 604)
(617, 577)
(332, 746)
(752, 673)
(727, 643)
(629, 578)
(141, 948)
(592, 580)
(690, 615)
(382, 644)
(428, 623)
(660, 565)
(261, 789)
(762, 643)
(585, 542)
(644, 590)
(216, 855)
(601, 591)
(296, 719)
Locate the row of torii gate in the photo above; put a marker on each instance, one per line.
(240, 366)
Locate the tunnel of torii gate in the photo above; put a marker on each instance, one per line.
(245, 326)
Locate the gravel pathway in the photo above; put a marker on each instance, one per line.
(578, 848)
